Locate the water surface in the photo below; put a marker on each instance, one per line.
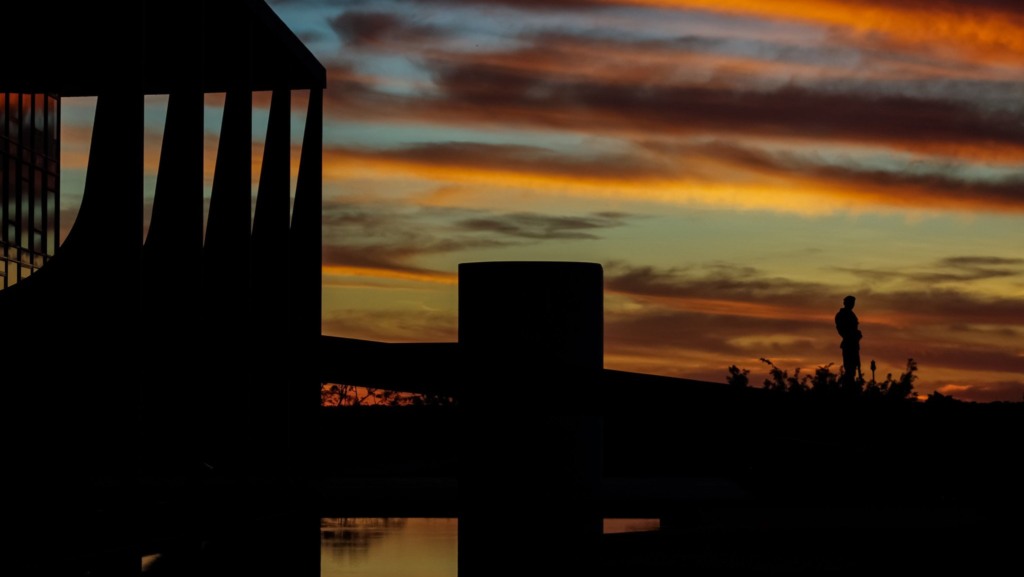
(388, 547)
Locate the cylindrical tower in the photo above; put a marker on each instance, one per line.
(531, 337)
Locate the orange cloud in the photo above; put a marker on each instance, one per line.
(389, 273)
(992, 29)
(989, 29)
(712, 174)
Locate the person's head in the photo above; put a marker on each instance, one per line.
(849, 301)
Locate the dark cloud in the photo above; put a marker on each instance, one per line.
(1006, 6)
(352, 97)
(739, 337)
(360, 29)
(942, 190)
(946, 306)
(319, 2)
(972, 268)
(720, 282)
(544, 227)
(540, 83)
(960, 269)
(788, 112)
(942, 185)
(976, 261)
(390, 238)
(484, 92)
(972, 358)
(975, 6)
(1012, 391)
(1001, 332)
(541, 5)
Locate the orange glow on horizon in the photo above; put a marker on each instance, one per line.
(393, 274)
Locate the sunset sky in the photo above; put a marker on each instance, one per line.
(737, 167)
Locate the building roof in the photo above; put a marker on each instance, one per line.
(156, 46)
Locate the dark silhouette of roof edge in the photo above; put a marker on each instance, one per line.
(434, 368)
(302, 54)
(156, 47)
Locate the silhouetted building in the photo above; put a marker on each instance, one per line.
(189, 349)
(30, 190)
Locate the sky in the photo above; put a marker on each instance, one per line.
(736, 166)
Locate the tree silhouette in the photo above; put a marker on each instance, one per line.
(737, 377)
(826, 382)
(899, 388)
(339, 395)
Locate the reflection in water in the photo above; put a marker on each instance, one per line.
(378, 547)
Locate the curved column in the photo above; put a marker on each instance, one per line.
(304, 268)
(225, 286)
(265, 407)
(172, 273)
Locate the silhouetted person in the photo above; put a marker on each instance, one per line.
(847, 325)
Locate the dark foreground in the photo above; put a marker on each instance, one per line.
(744, 484)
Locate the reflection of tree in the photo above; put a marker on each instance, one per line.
(349, 539)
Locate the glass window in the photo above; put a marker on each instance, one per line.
(37, 206)
(26, 118)
(3, 182)
(39, 112)
(3, 114)
(12, 181)
(23, 209)
(13, 116)
(51, 222)
(54, 119)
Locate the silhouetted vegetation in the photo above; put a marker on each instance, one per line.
(335, 395)
(824, 381)
(738, 377)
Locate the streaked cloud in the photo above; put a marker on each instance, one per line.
(956, 269)
(789, 112)
(544, 227)
(857, 128)
(987, 26)
(395, 325)
(360, 29)
(960, 137)
(1012, 391)
(385, 240)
